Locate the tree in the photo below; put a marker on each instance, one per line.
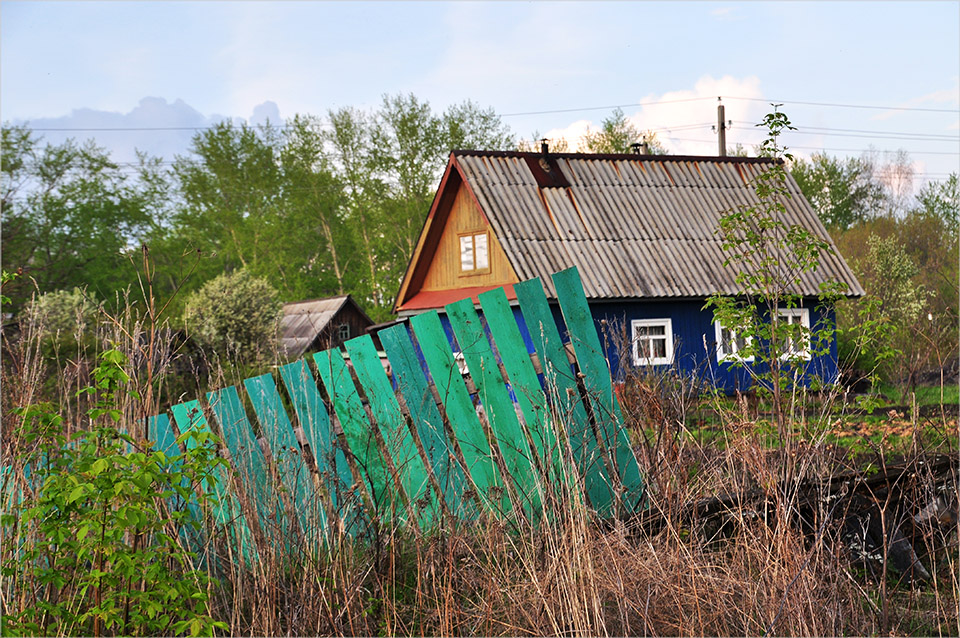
(70, 216)
(235, 315)
(313, 213)
(842, 192)
(772, 256)
(617, 134)
(941, 200)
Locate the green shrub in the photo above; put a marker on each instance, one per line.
(235, 314)
(64, 319)
(97, 549)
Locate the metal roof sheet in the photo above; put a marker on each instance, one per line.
(302, 321)
(636, 225)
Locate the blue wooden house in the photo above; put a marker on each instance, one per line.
(642, 231)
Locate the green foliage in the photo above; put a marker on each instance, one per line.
(5, 277)
(771, 256)
(319, 207)
(941, 200)
(64, 319)
(888, 265)
(97, 548)
(69, 216)
(235, 314)
(617, 134)
(843, 192)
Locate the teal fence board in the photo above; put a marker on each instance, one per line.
(247, 456)
(288, 459)
(523, 379)
(495, 399)
(569, 413)
(360, 436)
(427, 421)
(312, 414)
(227, 511)
(420, 440)
(393, 428)
(164, 440)
(461, 414)
(593, 365)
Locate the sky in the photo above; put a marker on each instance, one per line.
(557, 68)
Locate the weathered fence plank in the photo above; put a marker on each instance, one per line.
(500, 410)
(392, 424)
(413, 386)
(288, 459)
(227, 511)
(523, 378)
(599, 387)
(461, 414)
(247, 459)
(335, 479)
(385, 492)
(570, 416)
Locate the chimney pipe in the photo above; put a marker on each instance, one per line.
(637, 148)
(544, 147)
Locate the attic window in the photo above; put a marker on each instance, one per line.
(343, 332)
(474, 256)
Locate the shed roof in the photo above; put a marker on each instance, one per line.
(637, 226)
(303, 321)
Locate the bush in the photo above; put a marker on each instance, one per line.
(235, 314)
(63, 318)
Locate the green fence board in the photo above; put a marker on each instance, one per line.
(189, 416)
(523, 378)
(461, 415)
(164, 439)
(412, 384)
(312, 415)
(227, 512)
(359, 434)
(288, 458)
(569, 412)
(593, 365)
(499, 407)
(248, 459)
(393, 428)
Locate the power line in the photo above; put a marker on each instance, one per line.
(856, 130)
(848, 106)
(603, 108)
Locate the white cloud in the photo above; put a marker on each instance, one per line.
(683, 120)
(943, 98)
(725, 14)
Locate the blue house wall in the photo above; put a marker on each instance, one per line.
(695, 349)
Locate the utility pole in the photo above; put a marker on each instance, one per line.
(722, 129)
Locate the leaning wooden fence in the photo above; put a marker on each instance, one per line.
(363, 448)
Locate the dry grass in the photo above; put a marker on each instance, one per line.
(739, 572)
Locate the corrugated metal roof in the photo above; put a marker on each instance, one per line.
(635, 225)
(303, 320)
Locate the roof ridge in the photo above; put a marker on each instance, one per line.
(615, 156)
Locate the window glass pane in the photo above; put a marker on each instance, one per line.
(651, 330)
(466, 253)
(659, 347)
(480, 242)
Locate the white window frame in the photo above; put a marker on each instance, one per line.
(472, 238)
(804, 314)
(667, 324)
(343, 331)
(726, 357)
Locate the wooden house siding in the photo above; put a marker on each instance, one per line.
(695, 354)
(444, 272)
